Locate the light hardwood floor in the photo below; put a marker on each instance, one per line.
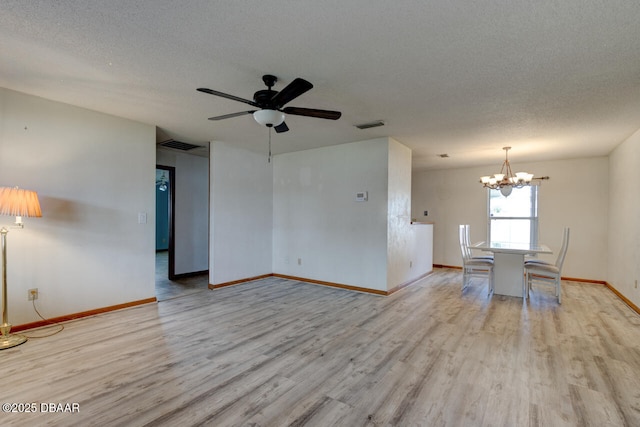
(167, 289)
(276, 352)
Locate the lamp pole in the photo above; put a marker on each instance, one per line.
(6, 339)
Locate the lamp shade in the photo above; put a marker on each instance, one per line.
(15, 201)
(269, 118)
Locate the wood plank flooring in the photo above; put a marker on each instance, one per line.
(167, 289)
(281, 353)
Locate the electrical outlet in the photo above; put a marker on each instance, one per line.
(636, 283)
(32, 294)
(299, 261)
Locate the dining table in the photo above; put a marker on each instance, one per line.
(508, 264)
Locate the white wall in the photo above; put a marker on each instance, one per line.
(624, 218)
(93, 173)
(241, 214)
(318, 220)
(421, 250)
(400, 233)
(192, 210)
(575, 196)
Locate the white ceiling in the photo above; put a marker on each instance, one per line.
(552, 79)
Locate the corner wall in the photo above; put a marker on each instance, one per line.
(401, 239)
(318, 221)
(94, 173)
(624, 218)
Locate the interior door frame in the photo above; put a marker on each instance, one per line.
(171, 263)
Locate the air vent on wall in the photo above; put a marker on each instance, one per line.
(178, 145)
(370, 125)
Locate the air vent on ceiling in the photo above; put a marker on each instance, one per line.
(178, 145)
(371, 125)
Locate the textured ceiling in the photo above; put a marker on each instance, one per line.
(552, 79)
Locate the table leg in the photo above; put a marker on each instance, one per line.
(508, 270)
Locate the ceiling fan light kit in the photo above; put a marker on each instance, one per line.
(269, 118)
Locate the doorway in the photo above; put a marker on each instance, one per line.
(165, 224)
(170, 284)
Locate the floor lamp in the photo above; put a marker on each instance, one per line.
(14, 202)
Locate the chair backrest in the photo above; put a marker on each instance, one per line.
(464, 248)
(467, 235)
(563, 249)
(467, 240)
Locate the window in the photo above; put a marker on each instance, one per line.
(514, 218)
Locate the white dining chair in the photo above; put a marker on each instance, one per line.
(545, 273)
(472, 267)
(467, 235)
(536, 260)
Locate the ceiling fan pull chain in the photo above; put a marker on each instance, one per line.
(269, 145)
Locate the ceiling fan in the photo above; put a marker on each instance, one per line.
(270, 103)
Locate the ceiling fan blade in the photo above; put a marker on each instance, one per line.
(226, 95)
(282, 127)
(290, 92)
(228, 116)
(312, 112)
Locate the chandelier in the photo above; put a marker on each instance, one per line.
(506, 180)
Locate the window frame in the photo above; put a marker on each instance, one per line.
(533, 218)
